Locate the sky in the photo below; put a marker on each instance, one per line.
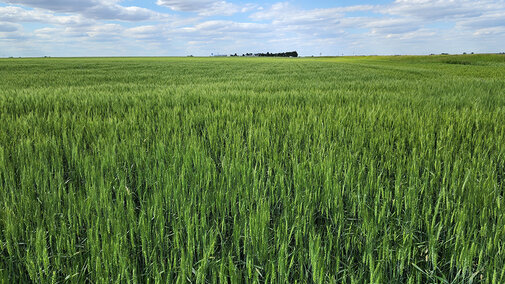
(204, 27)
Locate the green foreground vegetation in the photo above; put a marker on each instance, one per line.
(247, 170)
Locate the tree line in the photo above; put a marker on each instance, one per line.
(268, 54)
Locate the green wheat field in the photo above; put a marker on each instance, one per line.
(253, 170)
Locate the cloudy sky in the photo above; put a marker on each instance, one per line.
(202, 27)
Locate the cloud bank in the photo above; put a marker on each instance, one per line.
(202, 27)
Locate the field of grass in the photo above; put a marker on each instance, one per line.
(247, 170)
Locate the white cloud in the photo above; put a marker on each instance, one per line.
(202, 7)
(148, 32)
(8, 27)
(485, 21)
(249, 7)
(494, 32)
(105, 31)
(11, 33)
(230, 26)
(431, 10)
(60, 34)
(95, 9)
(18, 15)
(392, 26)
(285, 13)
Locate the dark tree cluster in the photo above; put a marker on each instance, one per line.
(282, 54)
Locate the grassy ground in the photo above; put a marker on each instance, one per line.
(347, 170)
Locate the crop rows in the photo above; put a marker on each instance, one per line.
(350, 170)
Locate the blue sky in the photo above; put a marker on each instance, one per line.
(202, 27)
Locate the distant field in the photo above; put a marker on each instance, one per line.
(247, 170)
